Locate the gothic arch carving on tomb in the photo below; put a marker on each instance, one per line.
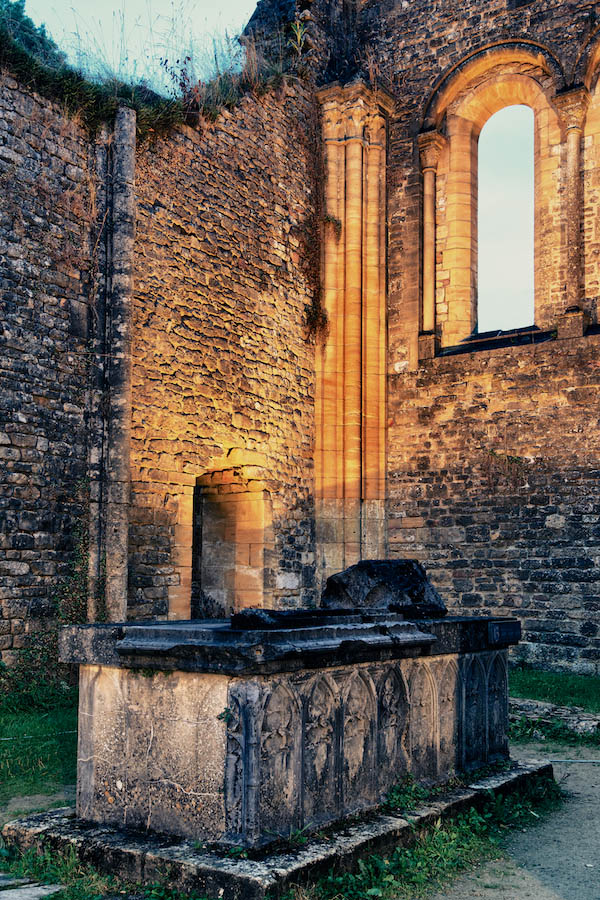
(280, 759)
(358, 705)
(320, 789)
(423, 728)
(497, 699)
(235, 768)
(392, 725)
(450, 714)
(475, 712)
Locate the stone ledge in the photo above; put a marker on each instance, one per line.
(574, 718)
(145, 859)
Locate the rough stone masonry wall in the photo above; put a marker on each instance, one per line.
(47, 202)
(494, 486)
(221, 360)
(493, 455)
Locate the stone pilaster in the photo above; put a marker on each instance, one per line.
(119, 369)
(351, 383)
(572, 107)
(430, 146)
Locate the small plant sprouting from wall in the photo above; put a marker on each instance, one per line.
(334, 223)
(505, 466)
(244, 66)
(311, 232)
(297, 41)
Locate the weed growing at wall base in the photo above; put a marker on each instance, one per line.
(82, 882)
(440, 851)
(436, 855)
(36, 680)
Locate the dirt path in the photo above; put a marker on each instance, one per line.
(560, 858)
(20, 806)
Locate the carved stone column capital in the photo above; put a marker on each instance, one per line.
(431, 144)
(572, 107)
(375, 129)
(357, 110)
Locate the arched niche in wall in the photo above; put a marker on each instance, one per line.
(232, 542)
(461, 107)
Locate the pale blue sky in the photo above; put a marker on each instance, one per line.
(506, 220)
(128, 38)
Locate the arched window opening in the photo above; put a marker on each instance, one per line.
(505, 296)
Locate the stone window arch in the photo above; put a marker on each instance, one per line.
(449, 160)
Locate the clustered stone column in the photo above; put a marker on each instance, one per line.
(572, 106)
(351, 385)
(430, 145)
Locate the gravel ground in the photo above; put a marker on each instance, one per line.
(560, 858)
(20, 806)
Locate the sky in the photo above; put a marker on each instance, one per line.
(505, 217)
(128, 38)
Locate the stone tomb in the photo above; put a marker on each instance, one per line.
(241, 731)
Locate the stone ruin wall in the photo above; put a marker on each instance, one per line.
(493, 455)
(45, 260)
(494, 487)
(223, 363)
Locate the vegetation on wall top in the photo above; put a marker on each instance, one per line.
(30, 36)
(29, 54)
(94, 103)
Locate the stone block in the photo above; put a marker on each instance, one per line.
(428, 347)
(572, 324)
(152, 750)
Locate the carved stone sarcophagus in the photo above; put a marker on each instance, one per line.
(239, 731)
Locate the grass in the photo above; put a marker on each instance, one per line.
(38, 751)
(440, 851)
(238, 72)
(526, 729)
(81, 881)
(559, 688)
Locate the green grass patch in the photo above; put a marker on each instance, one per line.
(559, 688)
(38, 751)
(82, 882)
